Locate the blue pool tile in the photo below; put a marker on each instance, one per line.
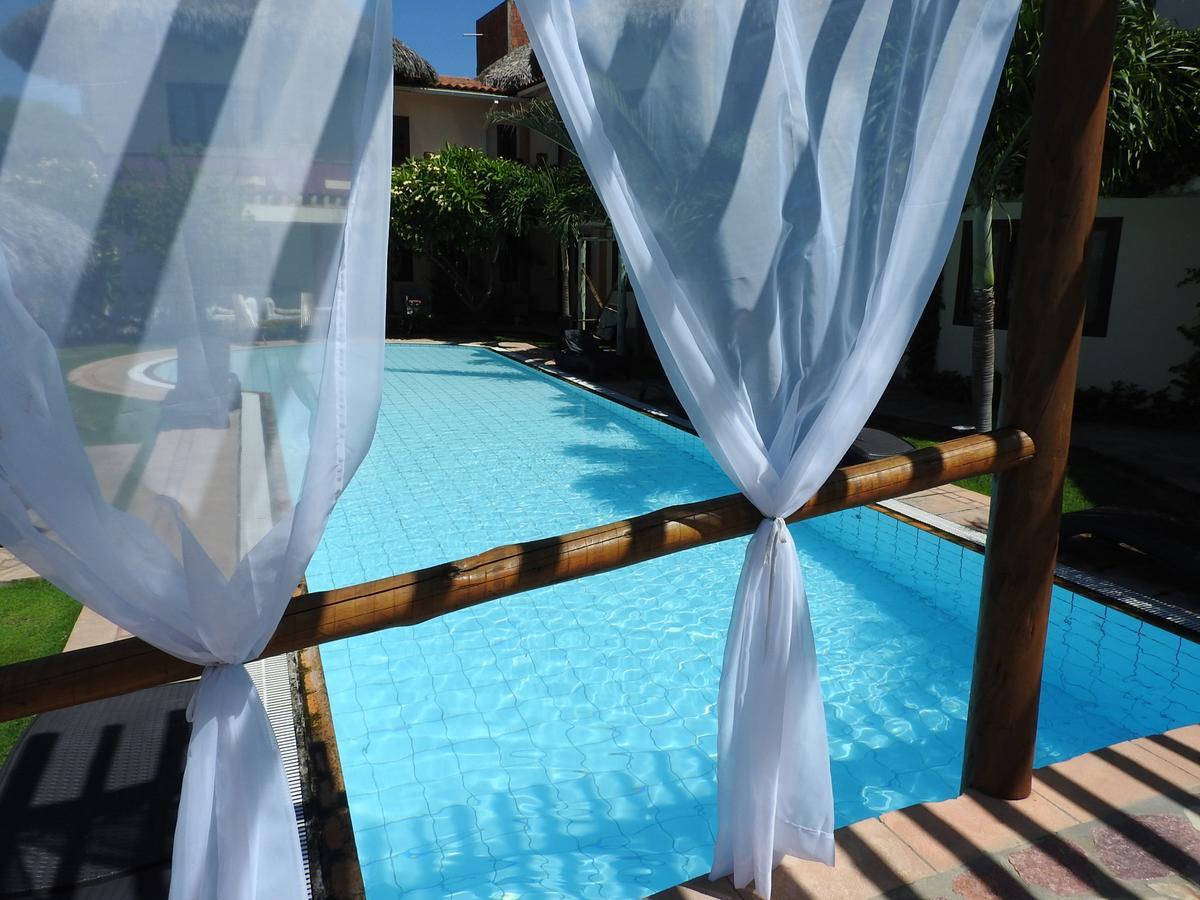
(563, 741)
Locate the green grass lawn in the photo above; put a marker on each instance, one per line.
(35, 620)
(1096, 480)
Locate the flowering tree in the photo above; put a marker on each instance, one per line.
(458, 208)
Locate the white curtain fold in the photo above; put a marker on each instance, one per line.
(171, 443)
(784, 178)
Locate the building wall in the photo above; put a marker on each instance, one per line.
(439, 118)
(1185, 12)
(436, 119)
(1160, 239)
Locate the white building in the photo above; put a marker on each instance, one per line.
(1140, 251)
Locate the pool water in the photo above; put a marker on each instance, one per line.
(562, 742)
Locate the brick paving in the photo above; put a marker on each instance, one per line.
(1121, 822)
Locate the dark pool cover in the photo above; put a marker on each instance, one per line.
(89, 796)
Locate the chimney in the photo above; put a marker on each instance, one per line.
(500, 30)
(517, 35)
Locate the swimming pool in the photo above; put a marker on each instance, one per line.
(561, 743)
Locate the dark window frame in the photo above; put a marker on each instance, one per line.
(507, 143)
(1005, 233)
(401, 139)
(400, 263)
(195, 107)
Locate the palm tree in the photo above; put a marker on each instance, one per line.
(540, 115)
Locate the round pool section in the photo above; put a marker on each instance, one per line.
(562, 742)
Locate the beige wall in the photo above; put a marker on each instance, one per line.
(1160, 239)
(440, 118)
(436, 119)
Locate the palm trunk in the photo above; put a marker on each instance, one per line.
(983, 314)
(622, 308)
(567, 271)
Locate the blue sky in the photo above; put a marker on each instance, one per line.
(434, 28)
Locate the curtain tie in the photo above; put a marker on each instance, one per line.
(778, 536)
(208, 670)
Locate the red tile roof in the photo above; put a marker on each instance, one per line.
(457, 83)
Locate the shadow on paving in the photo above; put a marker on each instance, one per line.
(1113, 852)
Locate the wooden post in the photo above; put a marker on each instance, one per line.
(1046, 321)
(565, 260)
(622, 306)
(581, 288)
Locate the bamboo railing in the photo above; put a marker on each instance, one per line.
(111, 669)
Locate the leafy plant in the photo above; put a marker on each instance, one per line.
(1153, 109)
(458, 208)
(567, 201)
(538, 115)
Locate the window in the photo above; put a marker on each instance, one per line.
(400, 262)
(1101, 263)
(401, 146)
(506, 141)
(193, 110)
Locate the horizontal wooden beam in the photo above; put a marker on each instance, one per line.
(108, 670)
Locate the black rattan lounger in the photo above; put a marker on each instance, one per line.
(1174, 545)
(872, 444)
(89, 796)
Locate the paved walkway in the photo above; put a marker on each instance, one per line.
(1120, 822)
(12, 569)
(958, 505)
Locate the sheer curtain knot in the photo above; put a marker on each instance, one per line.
(779, 537)
(206, 677)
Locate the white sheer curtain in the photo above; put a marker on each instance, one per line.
(784, 178)
(170, 442)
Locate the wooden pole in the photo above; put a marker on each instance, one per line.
(622, 305)
(1061, 182)
(129, 665)
(582, 262)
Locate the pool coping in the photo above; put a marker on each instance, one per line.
(336, 867)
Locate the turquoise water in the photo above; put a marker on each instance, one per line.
(561, 743)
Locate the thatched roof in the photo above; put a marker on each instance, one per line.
(411, 67)
(201, 20)
(42, 247)
(515, 70)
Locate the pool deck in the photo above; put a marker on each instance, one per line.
(1119, 822)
